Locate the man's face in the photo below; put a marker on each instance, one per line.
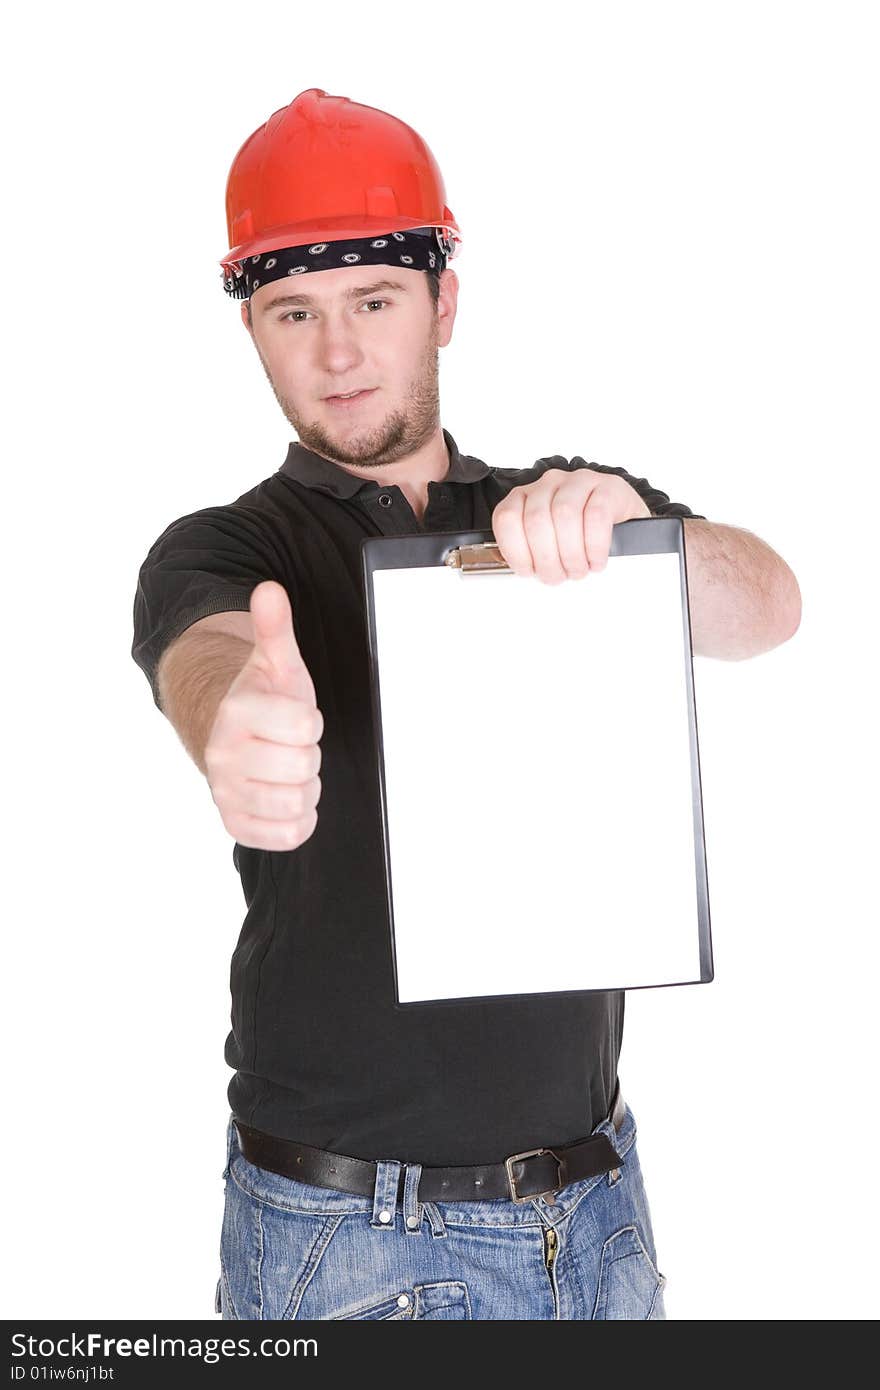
(385, 341)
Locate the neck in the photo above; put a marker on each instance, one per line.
(412, 474)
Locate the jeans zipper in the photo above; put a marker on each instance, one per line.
(551, 1247)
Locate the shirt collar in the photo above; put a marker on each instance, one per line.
(317, 472)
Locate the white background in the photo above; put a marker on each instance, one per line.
(669, 264)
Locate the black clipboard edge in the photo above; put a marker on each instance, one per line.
(639, 536)
(707, 965)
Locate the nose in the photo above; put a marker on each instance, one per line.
(339, 353)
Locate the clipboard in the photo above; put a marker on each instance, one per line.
(539, 771)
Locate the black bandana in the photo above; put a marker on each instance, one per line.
(422, 248)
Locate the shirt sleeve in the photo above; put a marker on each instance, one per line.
(206, 562)
(657, 501)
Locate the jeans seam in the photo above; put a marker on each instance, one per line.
(389, 1301)
(227, 1289)
(659, 1289)
(605, 1264)
(299, 1211)
(322, 1244)
(260, 1257)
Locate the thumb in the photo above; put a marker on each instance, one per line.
(276, 651)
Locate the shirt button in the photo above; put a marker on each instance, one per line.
(385, 1216)
(412, 1221)
(385, 499)
(403, 1301)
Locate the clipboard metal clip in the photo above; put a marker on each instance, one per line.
(481, 558)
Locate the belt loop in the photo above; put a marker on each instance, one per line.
(613, 1176)
(438, 1225)
(412, 1211)
(385, 1193)
(231, 1143)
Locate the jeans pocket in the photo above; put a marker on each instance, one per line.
(269, 1254)
(444, 1301)
(447, 1301)
(394, 1306)
(630, 1285)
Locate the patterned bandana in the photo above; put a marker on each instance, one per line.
(422, 248)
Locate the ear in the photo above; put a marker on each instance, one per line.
(246, 316)
(447, 304)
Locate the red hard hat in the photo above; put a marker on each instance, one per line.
(328, 169)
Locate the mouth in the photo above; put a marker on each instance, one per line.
(343, 402)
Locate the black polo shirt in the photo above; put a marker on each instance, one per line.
(320, 1051)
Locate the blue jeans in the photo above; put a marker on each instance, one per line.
(290, 1250)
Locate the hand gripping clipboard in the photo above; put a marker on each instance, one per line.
(538, 768)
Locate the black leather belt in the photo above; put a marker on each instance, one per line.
(521, 1177)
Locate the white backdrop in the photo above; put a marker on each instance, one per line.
(695, 299)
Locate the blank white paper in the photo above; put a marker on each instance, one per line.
(538, 779)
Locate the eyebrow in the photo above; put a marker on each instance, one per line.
(350, 294)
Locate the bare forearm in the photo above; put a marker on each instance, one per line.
(193, 676)
(743, 597)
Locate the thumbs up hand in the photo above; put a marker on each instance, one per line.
(262, 755)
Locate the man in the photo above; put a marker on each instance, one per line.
(476, 1160)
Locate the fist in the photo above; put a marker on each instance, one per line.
(560, 527)
(262, 756)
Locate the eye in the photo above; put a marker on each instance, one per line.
(292, 313)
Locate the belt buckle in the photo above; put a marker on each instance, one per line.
(511, 1182)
